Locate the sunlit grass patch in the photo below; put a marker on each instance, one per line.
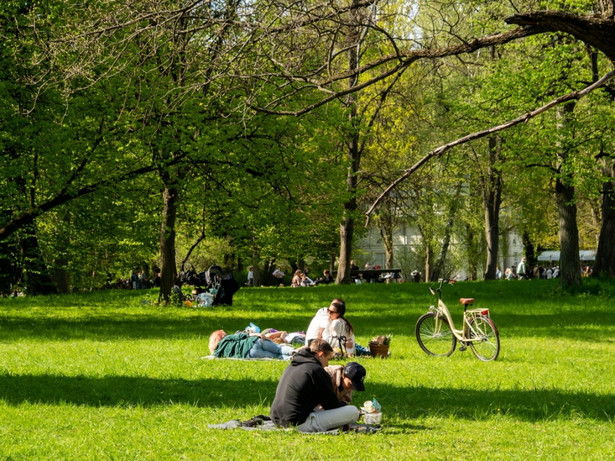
(112, 375)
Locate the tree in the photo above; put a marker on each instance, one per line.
(156, 74)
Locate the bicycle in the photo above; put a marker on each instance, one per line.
(437, 335)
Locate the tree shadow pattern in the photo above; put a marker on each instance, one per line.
(403, 402)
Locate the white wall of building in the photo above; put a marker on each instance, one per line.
(371, 249)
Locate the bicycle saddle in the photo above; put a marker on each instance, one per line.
(466, 301)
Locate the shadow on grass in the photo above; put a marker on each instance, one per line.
(106, 328)
(525, 405)
(397, 322)
(518, 309)
(400, 402)
(127, 391)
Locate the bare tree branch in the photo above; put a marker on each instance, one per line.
(575, 95)
(404, 59)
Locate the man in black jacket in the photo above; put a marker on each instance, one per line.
(304, 386)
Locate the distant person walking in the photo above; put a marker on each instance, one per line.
(250, 281)
(522, 270)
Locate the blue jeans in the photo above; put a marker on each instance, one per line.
(264, 348)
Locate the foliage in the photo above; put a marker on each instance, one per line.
(103, 100)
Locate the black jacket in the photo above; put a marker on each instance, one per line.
(304, 385)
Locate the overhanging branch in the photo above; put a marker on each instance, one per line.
(575, 95)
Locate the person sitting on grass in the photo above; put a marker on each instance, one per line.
(296, 280)
(306, 281)
(340, 332)
(326, 278)
(304, 386)
(247, 345)
(346, 379)
(319, 324)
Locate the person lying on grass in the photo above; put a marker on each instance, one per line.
(304, 386)
(247, 346)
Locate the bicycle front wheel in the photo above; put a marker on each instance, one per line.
(434, 335)
(487, 344)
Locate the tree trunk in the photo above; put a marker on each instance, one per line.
(388, 248)
(353, 153)
(9, 264)
(385, 225)
(256, 269)
(331, 263)
(570, 265)
(428, 262)
(438, 267)
(605, 256)
(267, 278)
(37, 280)
(346, 235)
(61, 276)
(528, 249)
(492, 200)
(472, 262)
(168, 269)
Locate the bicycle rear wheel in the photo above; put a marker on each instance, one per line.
(488, 345)
(434, 335)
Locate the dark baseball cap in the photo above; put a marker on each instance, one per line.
(356, 373)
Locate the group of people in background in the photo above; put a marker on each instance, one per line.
(524, 272)
(300, 278)
(136, 281)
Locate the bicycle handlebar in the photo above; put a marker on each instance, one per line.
(439, 289)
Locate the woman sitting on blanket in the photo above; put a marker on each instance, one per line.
(320, 324)
(340, 331)
(247, 346)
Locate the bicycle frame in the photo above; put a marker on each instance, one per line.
(436, 333)
(469, 332)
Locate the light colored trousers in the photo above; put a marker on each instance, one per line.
(266, 349)
(324, 420)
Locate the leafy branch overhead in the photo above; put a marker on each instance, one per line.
(575, 95)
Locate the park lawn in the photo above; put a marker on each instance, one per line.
(110, 375)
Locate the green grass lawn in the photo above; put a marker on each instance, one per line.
(109, 375)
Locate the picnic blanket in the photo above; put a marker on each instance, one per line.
(213, 357)
(264, 423)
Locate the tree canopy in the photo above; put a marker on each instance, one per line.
(131, 132)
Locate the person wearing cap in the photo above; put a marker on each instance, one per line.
(346, 379)
(304, 388)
